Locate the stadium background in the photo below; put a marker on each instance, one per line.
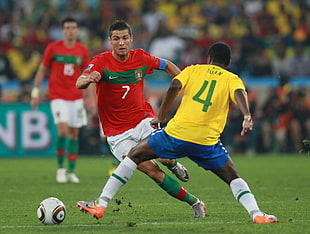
(270, 49)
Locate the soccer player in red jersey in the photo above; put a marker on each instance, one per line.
(195, 129)
(125, 115)
(65, 59)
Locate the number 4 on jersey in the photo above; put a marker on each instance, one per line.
(206, 102)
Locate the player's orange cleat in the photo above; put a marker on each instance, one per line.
(266, 218)
(90, 207)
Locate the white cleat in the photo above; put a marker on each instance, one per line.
(61, 175)
(199, 209)
(73, 178)
(180, 172)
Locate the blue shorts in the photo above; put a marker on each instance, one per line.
(210, 157)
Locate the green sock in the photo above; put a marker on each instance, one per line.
(175, 163)
(61, 150)
(72, 154)
(175, 189)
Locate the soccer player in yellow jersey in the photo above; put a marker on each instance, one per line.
(195, 130)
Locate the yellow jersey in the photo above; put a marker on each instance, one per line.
(202, 114)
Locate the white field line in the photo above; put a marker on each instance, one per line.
(121, 224)
(137, 224)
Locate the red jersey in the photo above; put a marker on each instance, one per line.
(66, 65)
(121, 102)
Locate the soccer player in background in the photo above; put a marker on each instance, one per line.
(195, 129)
(65, 60)
(125, 115)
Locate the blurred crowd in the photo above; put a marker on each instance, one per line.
(269, 38)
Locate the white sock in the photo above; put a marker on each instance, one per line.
(242, 193)
(119, 177)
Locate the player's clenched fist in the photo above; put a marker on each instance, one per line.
(94, 77)
(85, 79)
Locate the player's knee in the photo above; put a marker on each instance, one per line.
(136, 155)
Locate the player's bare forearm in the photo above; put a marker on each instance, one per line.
(82, 82)
(243, 104)
(35, 92)
(242, 101)
(90, 95)
(171, 69)
(168, 99)
(39, 77)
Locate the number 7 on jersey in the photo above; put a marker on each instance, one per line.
(127, 87)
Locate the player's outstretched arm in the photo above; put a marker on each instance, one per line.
(171, 69)
(85, 79)
(169, 97)
(38, 79)
(243, 104)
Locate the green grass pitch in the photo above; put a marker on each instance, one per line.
(280, 183)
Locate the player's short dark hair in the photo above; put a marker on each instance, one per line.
(68, 19)
(220, 52)
(119, 25)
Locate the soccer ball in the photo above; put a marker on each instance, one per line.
(51, 211)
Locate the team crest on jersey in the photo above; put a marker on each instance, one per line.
(138, 74)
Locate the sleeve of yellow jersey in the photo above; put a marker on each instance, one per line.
(184, 76)
(234, 84)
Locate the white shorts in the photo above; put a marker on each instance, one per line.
(122, 143)
(71, 112)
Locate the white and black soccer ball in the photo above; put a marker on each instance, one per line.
(51, 211)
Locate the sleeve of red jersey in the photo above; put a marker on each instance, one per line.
(93, 65)
(47, 56)
(154, 62)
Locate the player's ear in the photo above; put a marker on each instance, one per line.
(209, 59)
(229, 62)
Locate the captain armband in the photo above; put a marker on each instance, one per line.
(162, 64)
